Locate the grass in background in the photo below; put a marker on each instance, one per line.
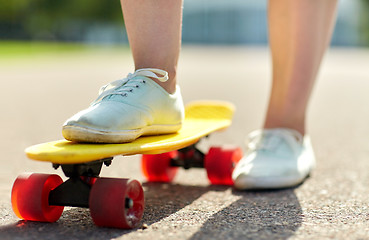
(9, 49)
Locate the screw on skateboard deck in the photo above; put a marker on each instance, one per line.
(119, 203)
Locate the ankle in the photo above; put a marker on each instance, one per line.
(170, 84)
(295, 125)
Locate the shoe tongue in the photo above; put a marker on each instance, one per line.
(284, 143)
(269, 141)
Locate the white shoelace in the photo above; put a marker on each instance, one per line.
(123, 86)
(269, 139)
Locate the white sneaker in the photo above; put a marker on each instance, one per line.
(276, 158)
(127, 109)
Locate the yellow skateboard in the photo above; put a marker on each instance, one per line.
(120, 202)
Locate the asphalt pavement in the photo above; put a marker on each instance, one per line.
(40, 92)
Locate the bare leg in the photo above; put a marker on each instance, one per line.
(154, 32)
(300, 31)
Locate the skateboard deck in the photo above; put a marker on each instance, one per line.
(202, 118)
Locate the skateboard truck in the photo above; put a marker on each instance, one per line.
(76, 190)
(189, 157)
(90, 169)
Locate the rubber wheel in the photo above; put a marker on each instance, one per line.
(156, 168)
(219, 164)
(117, 203)
(30, 197)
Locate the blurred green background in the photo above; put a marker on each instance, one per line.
(204, 22)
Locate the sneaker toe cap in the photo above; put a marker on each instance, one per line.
(107, 116)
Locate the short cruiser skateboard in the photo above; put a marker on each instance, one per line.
(115, 202)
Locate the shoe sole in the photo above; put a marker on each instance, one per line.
(87, 135)
(268, 182)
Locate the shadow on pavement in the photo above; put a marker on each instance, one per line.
(161, 200)
(256, 215)
(75, 223)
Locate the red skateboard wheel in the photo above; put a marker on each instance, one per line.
(117, 203)
(156, 168)
(30, 197)
(219, 164)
